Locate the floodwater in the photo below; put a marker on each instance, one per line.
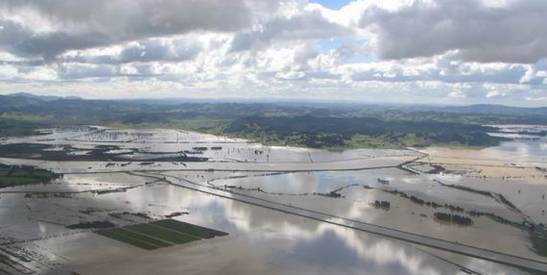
(528, 143)
(260, 240)
(33, 218)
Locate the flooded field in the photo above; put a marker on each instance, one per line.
(495, 197)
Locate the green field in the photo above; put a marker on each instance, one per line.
(191, 229)
(159, 234)
(122, 235)
(162, 233)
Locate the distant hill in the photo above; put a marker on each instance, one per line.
(85, 110)
(41, 97)
(320, 125)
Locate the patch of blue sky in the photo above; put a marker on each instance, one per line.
(332, 4)
(330, 44)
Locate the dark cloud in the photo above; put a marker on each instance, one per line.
(306, 25)
(83, 24)
(80, 71)
(513, 33)
(20, 40)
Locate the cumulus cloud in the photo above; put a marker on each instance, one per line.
(441, 68)
(304, 26)
(466, 51)
(507, 31)
(166, 50)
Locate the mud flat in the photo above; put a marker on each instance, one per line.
(489, 163)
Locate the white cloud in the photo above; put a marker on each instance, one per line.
(156, 49)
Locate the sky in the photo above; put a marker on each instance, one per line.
(382, 51)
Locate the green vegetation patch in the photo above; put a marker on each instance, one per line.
(329, 126)
(539, 241)
(453, 218)
(93, 224)
(123, 235)
(163, 233)
(191, 229)
(18, 127)
(22, 175)
(159, 234)
(354, 132)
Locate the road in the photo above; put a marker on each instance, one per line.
(82, 167)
